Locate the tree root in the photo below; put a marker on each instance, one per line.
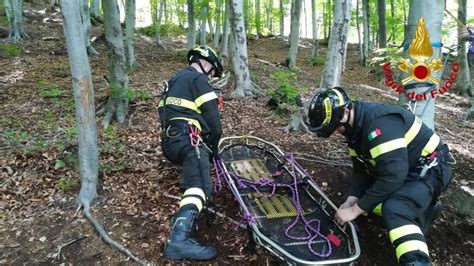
(103, 234)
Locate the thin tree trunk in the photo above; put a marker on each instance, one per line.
(14, 11)
(361, 45)
(269, 20)
(366, 26)
(433, 17)
(315, 50)
(159, 18)
(117, 104)
(336, 47)
(84, 102)
(95, 11)
(217, 32)
(295, 32)
(382, 24)
(129, 29)
(392, 11)
(464, 84)
(282, 19)
(239, 50)
(86, 24)
(305, 20)
(258, 21)
(224, 51)
(202, 35)
(191, 26)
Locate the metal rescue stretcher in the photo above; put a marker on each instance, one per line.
(287, 212)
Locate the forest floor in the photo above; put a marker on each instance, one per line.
(39, 173)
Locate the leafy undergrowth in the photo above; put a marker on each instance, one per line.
(39, 167)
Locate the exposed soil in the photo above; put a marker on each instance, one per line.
(38, 193)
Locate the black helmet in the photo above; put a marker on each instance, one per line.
(326, 111)
(208, 54)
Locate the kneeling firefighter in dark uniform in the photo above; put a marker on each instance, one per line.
(400, 167)
(189, 116)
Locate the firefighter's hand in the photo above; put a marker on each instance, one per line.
(348, 214)
(350, 201)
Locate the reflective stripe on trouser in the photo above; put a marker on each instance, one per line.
(193, 196)
(400, 212)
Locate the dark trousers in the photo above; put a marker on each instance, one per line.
(402, 209)
(177, 148)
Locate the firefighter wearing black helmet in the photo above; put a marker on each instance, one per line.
(189, 114)
(400, 167)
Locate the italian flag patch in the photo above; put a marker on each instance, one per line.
(372, 135)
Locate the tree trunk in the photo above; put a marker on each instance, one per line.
(95, 10)
(382, 24)
(269, 20)
(282, 19)
(258, 21)
(361, 45)
(392, 11)
(314, 21)
(224, 51)
(83, 101)
(52, 5)
(366, 26)
(159, 18)
(118, 101)
(202, 35)
(130, 8)
(239, 50)
(217, 32)
(464, 83)
(433, 17)
(295, 32)
(86, 25)
(336, 47)
(14, 11)
(191, 26)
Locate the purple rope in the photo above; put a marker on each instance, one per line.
(219, 174)
(312, 233)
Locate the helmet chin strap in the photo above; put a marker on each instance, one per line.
(202, 68)
(346, 125)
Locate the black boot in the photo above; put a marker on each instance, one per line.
(429, 215)
(180, 245)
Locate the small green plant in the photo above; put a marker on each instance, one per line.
(10, 49)
(319, 61)
(71, 133)
(112, 143)
(35, 146)
(52, 92)
(139, 95)
(285, 94)
(15, 137)
(67, 182)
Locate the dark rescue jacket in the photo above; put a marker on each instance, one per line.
(191, 98)
(386, 144)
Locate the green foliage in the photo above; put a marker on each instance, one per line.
(285, 93)
(382, 56)
(71, 133)
(318, 61)
(139, 95)
(53, 92)
(59, 164)
(15, 137)
(112, 142)
(10, 49)
(35, 145)
(165, 29)
(67, 182)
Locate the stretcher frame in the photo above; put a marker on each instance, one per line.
(261, 239)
